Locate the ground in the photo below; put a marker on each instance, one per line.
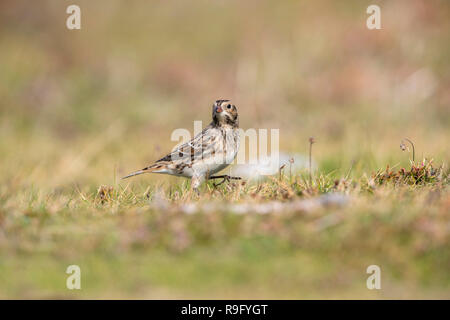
(136, 243)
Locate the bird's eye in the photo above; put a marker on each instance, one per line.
(229, 106)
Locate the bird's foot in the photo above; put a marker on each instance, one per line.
(196, 192)
(224, 178)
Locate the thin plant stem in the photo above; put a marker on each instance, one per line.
(413, 149)
(311, 141)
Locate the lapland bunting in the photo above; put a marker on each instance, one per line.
(207, 153)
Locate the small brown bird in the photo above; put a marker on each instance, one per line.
(207, 153)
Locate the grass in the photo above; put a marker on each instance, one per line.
(164, 242)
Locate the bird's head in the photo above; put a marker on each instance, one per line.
(225, 113)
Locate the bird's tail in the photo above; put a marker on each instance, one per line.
(145, 170)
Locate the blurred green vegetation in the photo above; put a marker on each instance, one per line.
(164, 245)
(80, 108)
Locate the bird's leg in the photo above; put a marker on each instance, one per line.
(227, 177)
(196, 181)
(224, 177)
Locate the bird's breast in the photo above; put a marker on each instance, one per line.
(221, 151)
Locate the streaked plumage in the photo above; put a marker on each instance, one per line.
(207, 153)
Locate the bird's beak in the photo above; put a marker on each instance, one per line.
(219, 109)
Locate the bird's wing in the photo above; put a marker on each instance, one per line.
(199, 146)
(187, 152)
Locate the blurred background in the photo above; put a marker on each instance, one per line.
(84, 103)
(82, 107)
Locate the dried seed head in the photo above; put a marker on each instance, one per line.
(311, 140)
(402, 146)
